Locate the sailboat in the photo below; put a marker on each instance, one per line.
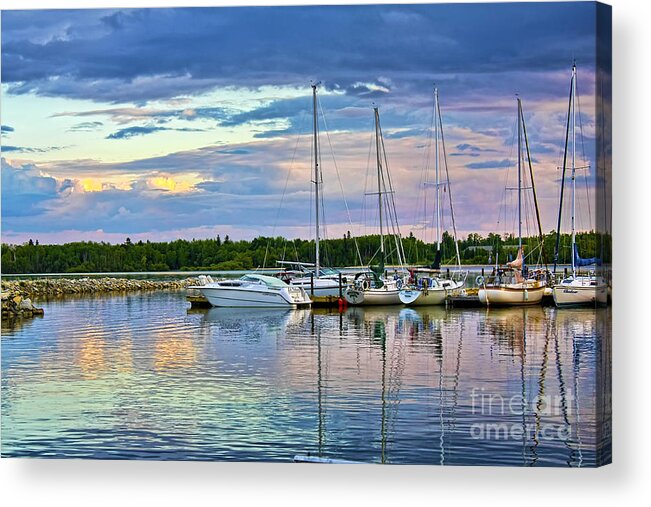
(428, 287)
(312, 277)
(577, 289)
(509, 285)
(374, 287)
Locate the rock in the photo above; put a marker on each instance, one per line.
(25, 304)
(17, 299)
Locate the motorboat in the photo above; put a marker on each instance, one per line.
(254, 291)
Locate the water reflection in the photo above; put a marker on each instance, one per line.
(141, 377)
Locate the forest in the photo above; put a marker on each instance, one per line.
(224, 254)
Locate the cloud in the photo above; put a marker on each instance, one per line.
(129, 132)
(147, 54)
(86, 126)
(472, 148)
(25, 149)
(245, 73)
(490, 164)
(25, 190)
(398, 134)
(6, 129)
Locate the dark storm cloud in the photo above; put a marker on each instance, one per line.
(365, 51)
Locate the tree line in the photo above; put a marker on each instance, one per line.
(225, 254)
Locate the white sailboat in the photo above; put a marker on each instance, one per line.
(375, 287)
(428, 287)
(508, 285)
(577, 289)
(316, 280)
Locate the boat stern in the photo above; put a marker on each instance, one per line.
(409, 296)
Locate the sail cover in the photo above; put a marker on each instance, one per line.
(578, 261)
(437, 261)
(517, 263)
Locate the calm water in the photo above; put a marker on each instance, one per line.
(140, 376)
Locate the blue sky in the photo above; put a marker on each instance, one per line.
(166, 123)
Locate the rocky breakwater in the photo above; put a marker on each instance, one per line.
(17, 295)
(16, 304)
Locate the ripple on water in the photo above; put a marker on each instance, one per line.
(138, 377)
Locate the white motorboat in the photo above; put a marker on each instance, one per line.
(576, 289)
(254, 291)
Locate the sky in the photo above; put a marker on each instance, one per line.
(191, 122)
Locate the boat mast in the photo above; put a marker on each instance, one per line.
(379, 177)
(317, 180)
(560, 206)
(573, 166)
(520, 176)
(436, 165)
(447, 180)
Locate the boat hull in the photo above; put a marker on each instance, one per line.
(580, 296)
(320, 287)
(228, 297)
(431, 296)
(415, 297)
(372, 297)
(511, 296)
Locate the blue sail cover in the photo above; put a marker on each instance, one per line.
(578, 261)
(437, 261)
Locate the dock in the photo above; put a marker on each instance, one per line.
(468, 301)
(328, 302)
(198, 301)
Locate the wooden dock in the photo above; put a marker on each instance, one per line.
(328, 302)
(468, 301)
(198, 301)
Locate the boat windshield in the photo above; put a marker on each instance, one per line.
(269, 281)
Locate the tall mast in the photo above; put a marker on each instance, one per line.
(317, 179)
(436, 165)
(379, 177)
(573, 165)
(560, 206)
(519, 175)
